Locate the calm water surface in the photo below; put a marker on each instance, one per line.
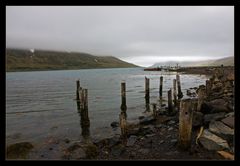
(41, 104)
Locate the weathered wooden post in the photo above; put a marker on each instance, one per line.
(154, 110)
(123, 125)
(146, 87)
(160, 87)
(82, 98)
(208, 87)
(170, 101)
(123, 94)
(77, 91)
(185, 123)
(175, 92)
(147, 96)
(201, 96)
(83, 111)
(180, 95)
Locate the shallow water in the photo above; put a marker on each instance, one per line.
(42, 104)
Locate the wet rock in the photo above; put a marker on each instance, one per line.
(212, 142)
(221, 130)
(133, 131)
(173, 141)
(117, 150)
(19, 150)
(214, 106)
(131, 140)
(231, 114)
(230, 76)
(150, 135)
(171, 122)
(91, 151)
(158, 126)
(114, 141)
(66, 141)
(144, 151)
(147, 120)
(229, 121)
(161, 142)
(170, 128)
(114, 124)
(78, 153)
(217, 87)
(216, 116)
(141, 117)
(197, 119)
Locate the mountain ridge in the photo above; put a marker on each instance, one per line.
(29, 60)
(226, 61)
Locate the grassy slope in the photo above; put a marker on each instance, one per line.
(24, 60)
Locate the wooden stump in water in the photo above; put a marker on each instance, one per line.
(77, 91)
(170, 108)
(123, 124)
(175, 93)
(146, 87)
(201, 97)
(147, 96)
(208, 87)
(161, 87)
(123, 96)
(185, 123)
(154, 110)
(180, 94)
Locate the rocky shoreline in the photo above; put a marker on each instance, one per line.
(157, 137)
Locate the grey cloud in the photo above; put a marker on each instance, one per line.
(130, 33)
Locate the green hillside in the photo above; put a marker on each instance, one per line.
(25, 60)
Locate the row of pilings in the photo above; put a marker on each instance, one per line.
(185, 107)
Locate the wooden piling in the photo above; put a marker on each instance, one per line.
(180, 95)
(154, 110)
(147, 96)
(160, 87)
(170, 101)
(77, 91)
(175, 93)
(185, 123)
(201, 97)
(146, 87)
(123, 124)
(208, 87)
(123, 96)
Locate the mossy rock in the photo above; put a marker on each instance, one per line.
(19, 150)
(91, 151)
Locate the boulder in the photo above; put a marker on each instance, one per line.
(114, 124)
(217, 87)
(216, 116)
(147, 120)
(117, 150)
(19, 150)
(131, 140)
(212, 142)
(229, 121)
(197, 119)
(220, 128)
(214, 106)
(230, 76)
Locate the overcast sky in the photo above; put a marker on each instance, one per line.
(140, 35)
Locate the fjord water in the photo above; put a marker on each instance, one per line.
(41, 104)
